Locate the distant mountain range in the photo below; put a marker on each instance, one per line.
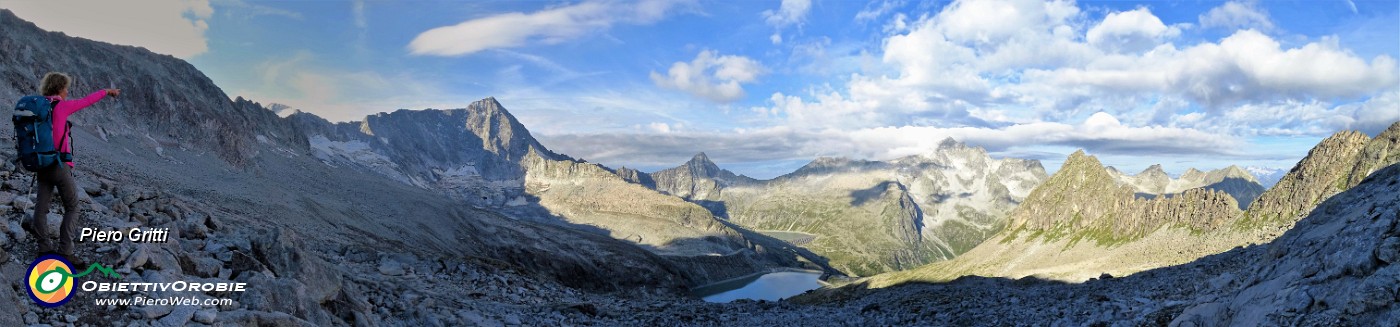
(1084, 220)
(866, 216)
(1267, 176)
(1153, 182)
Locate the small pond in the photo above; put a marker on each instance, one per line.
(771, 286)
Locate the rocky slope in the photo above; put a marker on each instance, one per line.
(1334, 165)
(1084, 200)
(866, 216)
(472, 154)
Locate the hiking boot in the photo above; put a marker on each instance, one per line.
(79, 265)
(46, 247)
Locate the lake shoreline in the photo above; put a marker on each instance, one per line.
(785, 285)
(761, 273)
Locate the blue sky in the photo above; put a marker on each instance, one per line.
(765, 86)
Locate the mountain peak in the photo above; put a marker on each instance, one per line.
(488, 101)
(950, 142)
(1236, 171)
(1193, 174)
(700, 157)
(1079, 158)
(1155, 169)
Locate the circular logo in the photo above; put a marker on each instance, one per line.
(50, 280)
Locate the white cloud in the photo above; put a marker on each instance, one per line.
(1235, 15)
(1135, 30)
(1246, 66)
(790, 12)
(873, 12)
(1000, 63)
(173, 27)
(659, 127)
(251, 10)
(548, 26)
(994, 22)
(711, 76)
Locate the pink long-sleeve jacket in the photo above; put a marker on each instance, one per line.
(60, 117)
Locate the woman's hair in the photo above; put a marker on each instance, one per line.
(53, 83)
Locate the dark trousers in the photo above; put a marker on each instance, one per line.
(59, 175)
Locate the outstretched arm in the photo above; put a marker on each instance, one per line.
(72, 106)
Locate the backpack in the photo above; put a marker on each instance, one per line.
(33, 119)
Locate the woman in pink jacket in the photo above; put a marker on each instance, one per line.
(55, 87)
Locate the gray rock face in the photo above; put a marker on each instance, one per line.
(1337, 264)
(697, 179)
(473, 154)
(1334, 165)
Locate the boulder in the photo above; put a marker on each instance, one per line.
(266, 293)
(138, 257)
(23, 203)
(17, 311)
(55, 221)
(260, 318)
(391, 267)
(17, 232)
(201, 266)
(1389, 250)
(241, 263)
(206, 316)
(285, 256)
(178, 317)
(162, 259)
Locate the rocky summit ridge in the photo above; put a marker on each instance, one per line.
(1084, 200)
(1154, 182)
(1334, 165)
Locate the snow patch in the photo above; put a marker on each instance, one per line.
(357, 152)
(1267, 176)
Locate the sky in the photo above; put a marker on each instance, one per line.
(763, 87)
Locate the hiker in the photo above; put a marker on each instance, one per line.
(54, 86)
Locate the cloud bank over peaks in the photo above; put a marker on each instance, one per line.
(980, 63)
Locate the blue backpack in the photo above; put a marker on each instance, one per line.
(34, 133)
